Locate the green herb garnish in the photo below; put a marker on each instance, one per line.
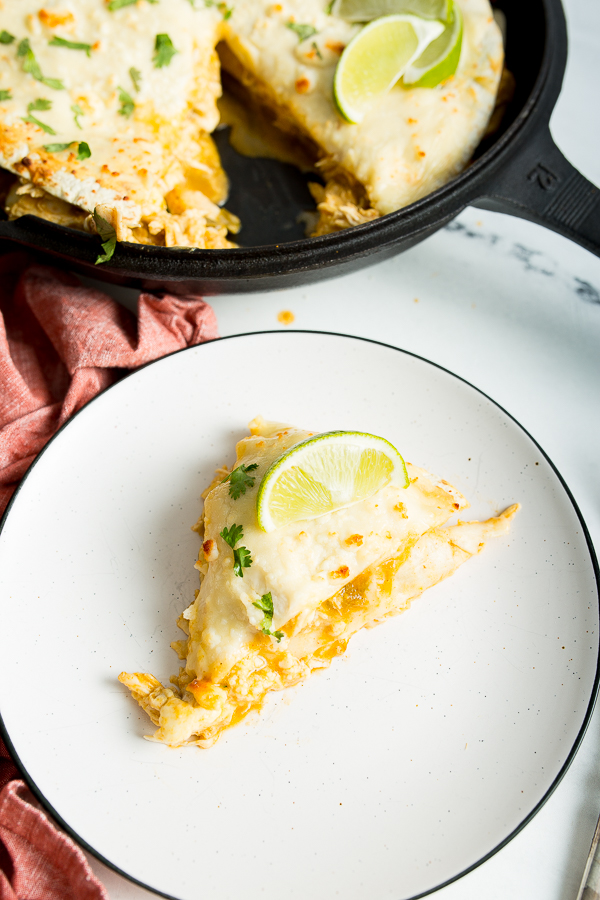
(70, 45)
(57, 148)
(265, 604)
(41, 105)
(6, 37)
(232, 535)
(303, 31)
(77, 111)
(119, 4)
(316, 49)
(5, 95)
(127, 104)
(164, 51)
(136, 77)
(225, 10)
(32, 67)
(83, 149)
(33, 121)
(241, 555)
(241, 560)
(108, 236)
(240, 481)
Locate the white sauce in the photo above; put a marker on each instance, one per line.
(300, 564)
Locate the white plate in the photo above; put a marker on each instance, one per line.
(408, 761)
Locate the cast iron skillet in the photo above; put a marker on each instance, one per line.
(520, 171)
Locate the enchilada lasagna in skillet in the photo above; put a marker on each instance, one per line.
(107, 109)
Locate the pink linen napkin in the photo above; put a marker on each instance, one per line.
(37, 861)
(60, 345)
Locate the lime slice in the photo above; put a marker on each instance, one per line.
(376, 58)
(325, 473)
(367, 10)
(440, 59)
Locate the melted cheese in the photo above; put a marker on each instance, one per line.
(159, 156)
(300, 564)
(155, 174)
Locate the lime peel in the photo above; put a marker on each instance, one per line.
(367, 10)
(325, 473)
(376, 58)
(440, 59)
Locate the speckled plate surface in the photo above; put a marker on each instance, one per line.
(406, 763)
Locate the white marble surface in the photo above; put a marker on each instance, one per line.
(515, 310)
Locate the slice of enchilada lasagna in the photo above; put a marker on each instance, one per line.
(264, 621)
(108, 105)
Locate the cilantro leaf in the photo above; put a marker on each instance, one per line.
(77, 111)
(57, 148)
(39, 105)
(239, 481)
(119, 4)
(83, 149)
(303, 31)
(241, 560)
(33, 121)
(232, 535)
(32, 67)
(127, 103)
(70, 45)
(241, 555)
(164, 51)
(54, 83)
(265, 604)
(225, 10)
(136, 77)
(6, 37)
(5, 95)
(108, 236)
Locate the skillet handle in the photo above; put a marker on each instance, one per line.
(540, 185)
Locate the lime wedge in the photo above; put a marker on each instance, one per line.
(367, 10)
(377, 58)
(440, 59)
(325, 473)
